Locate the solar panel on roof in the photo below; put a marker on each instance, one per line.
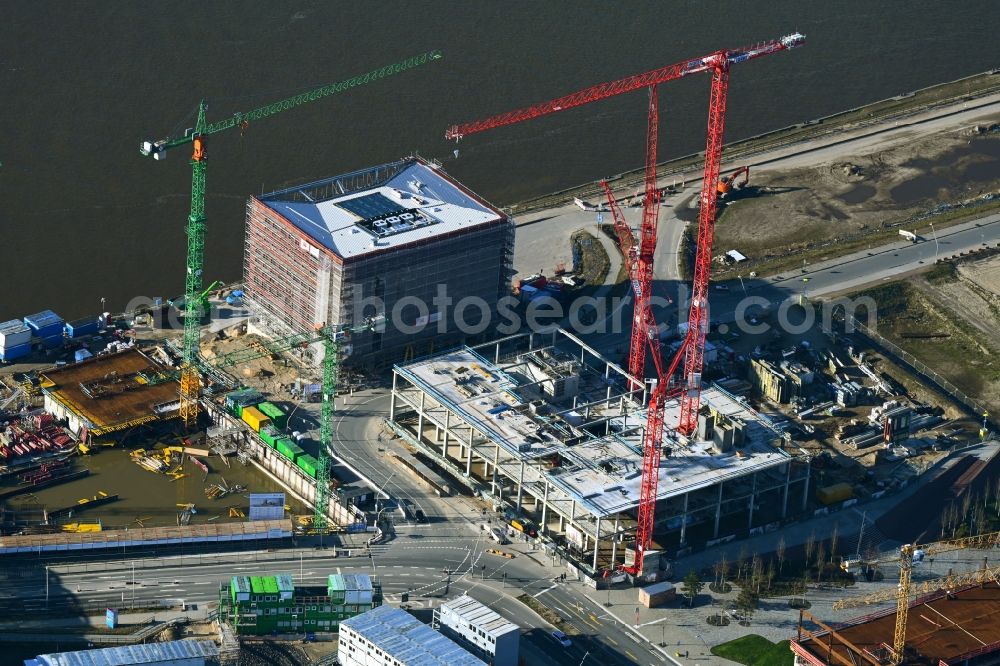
(372, 206)
(381, 216)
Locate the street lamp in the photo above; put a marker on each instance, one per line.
(935, 242)
(46, 586)
(742, 285)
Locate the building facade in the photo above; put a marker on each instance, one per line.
(480, 630)
(387, 636)
(401, 240)
(260, 605)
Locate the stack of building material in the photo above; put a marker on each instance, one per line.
(15, 340)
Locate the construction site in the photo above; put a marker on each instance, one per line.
(614, 453)
(548, 431)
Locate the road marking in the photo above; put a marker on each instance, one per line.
(611, 640)
(594, 618)
(634, 658)
(543, 592)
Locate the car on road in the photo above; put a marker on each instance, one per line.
(722, 287)
(562, 639)
(419, 515)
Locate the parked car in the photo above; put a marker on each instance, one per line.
(419, 515)
(562, 638)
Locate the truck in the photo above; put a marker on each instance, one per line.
(524, 527)
(910, 236)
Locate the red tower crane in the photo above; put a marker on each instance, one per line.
(639, 254)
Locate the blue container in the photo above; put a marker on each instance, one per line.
(81, 355)
(45, 324)
(13, 353)
(53, 341)
(81, 327)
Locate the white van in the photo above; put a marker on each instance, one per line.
(497, 535)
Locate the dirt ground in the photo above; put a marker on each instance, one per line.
(949, 318)
(785, 211)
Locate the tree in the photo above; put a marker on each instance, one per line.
(740, 560)
(747, 602)
(820, 557)
(810, 546)
(779, 550)
(691, 586)
(834, 535)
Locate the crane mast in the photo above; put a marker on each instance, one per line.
(639, 253)
(901, 594)
(190, 382)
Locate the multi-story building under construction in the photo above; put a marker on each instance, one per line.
(401, 240)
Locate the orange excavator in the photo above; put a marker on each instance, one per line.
(728, 184)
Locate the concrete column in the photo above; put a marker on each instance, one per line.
(718, 513)
(684, 516)
(468, 461)
(614, 543)
(562, 523)
(784, 494)
(805, 489)
(496, 354)
(437, 433)
(597, 541)
(392, 399)
(496, 466)
(753, 496)
(447, 430)
(520, 487)
(545, 506)
(572, 510)
(420, 418)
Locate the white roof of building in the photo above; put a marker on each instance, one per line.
(602, 474)
(149, 653)
(407, 639)
(416, 203)
(478, 615)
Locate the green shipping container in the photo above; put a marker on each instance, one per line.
(307, 464)
(273, 412)
(288, 448)
(270, 435)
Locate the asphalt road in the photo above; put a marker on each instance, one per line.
(853, 271)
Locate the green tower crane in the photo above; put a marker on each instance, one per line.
(332, 338)
(190, 381)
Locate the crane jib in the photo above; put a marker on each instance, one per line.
(157, 149)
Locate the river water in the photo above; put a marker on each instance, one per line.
(85, 217)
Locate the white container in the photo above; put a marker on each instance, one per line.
(14, 333)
